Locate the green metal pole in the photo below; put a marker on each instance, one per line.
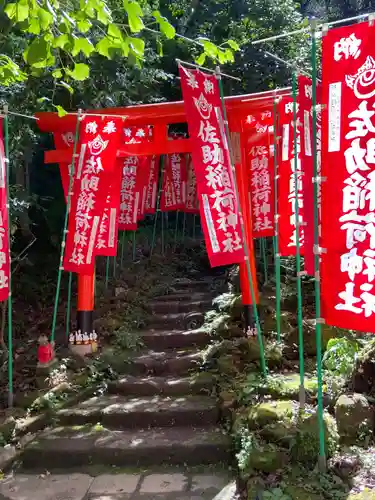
(68, 306)
(10, 307)
(263, 243)
(107, 262)
(71, 176)
(122, 248)
(322, 462)
(252, 291)
(134, 236)
(302, 394)
(157, 205)
(184, 226)
(176, 229)
(276, 237)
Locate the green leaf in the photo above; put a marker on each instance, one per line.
(103, 47)
(45, 18)
(84, 25)
(60, 110)
(61, 41)
(165, 26)
(159, 48)
(229, 55)
(103, 16)
(233, 45)
(137, 44)
(43, 99)
(80, 72)
(38, 53)
(11, 11)
(33, 27)
(135, 15)
(57, 73)
(82, 45)
(201, 59)
(222, 57)
(210, 48)
(114, 31)
(17, 12)
(66, 86)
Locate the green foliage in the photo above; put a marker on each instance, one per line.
(275, 494)
(58, 38)
(341, 355)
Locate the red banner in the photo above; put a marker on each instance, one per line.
(134, 182)
(286, 183)
(217, 196)
(4, 224)
(261, 175)
(64, 140)
(305, 118)
(173, 196)
(168, 197)
(192, 201)
(152, 186)
(98, 145)
(348, 194)
(108, 230)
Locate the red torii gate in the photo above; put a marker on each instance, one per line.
(160, 116)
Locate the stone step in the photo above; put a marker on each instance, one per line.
(69, 448)
(180, 320)
(179, 306)
(186, 284)
(120, 412)
(185, 295)
(159, 340)
(174, 362)
(168, 386)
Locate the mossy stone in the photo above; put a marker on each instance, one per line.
(355, 418)
(270, 412)
(287, 386)
(305, 448)
(267, 458)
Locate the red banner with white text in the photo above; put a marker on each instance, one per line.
(305, 118)
(217, 197)
(173, 196)
(348, 163)
(192, 200)
(261, 173)
(4, 224)
(135, 180)
(98, 144)
(286, 183)
(152, 186)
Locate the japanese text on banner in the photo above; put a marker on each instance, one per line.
(217, 195)
(135, 180)
(348, 195)
(287, 184)
(261, 173)
(98, 145)
(192, 201)
(4, 224)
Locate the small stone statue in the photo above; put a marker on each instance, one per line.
(46, 352)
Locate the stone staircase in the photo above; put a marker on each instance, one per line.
(159, 413)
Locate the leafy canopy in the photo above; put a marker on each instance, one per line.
(62, 38)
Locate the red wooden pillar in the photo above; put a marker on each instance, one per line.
(242, 179)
